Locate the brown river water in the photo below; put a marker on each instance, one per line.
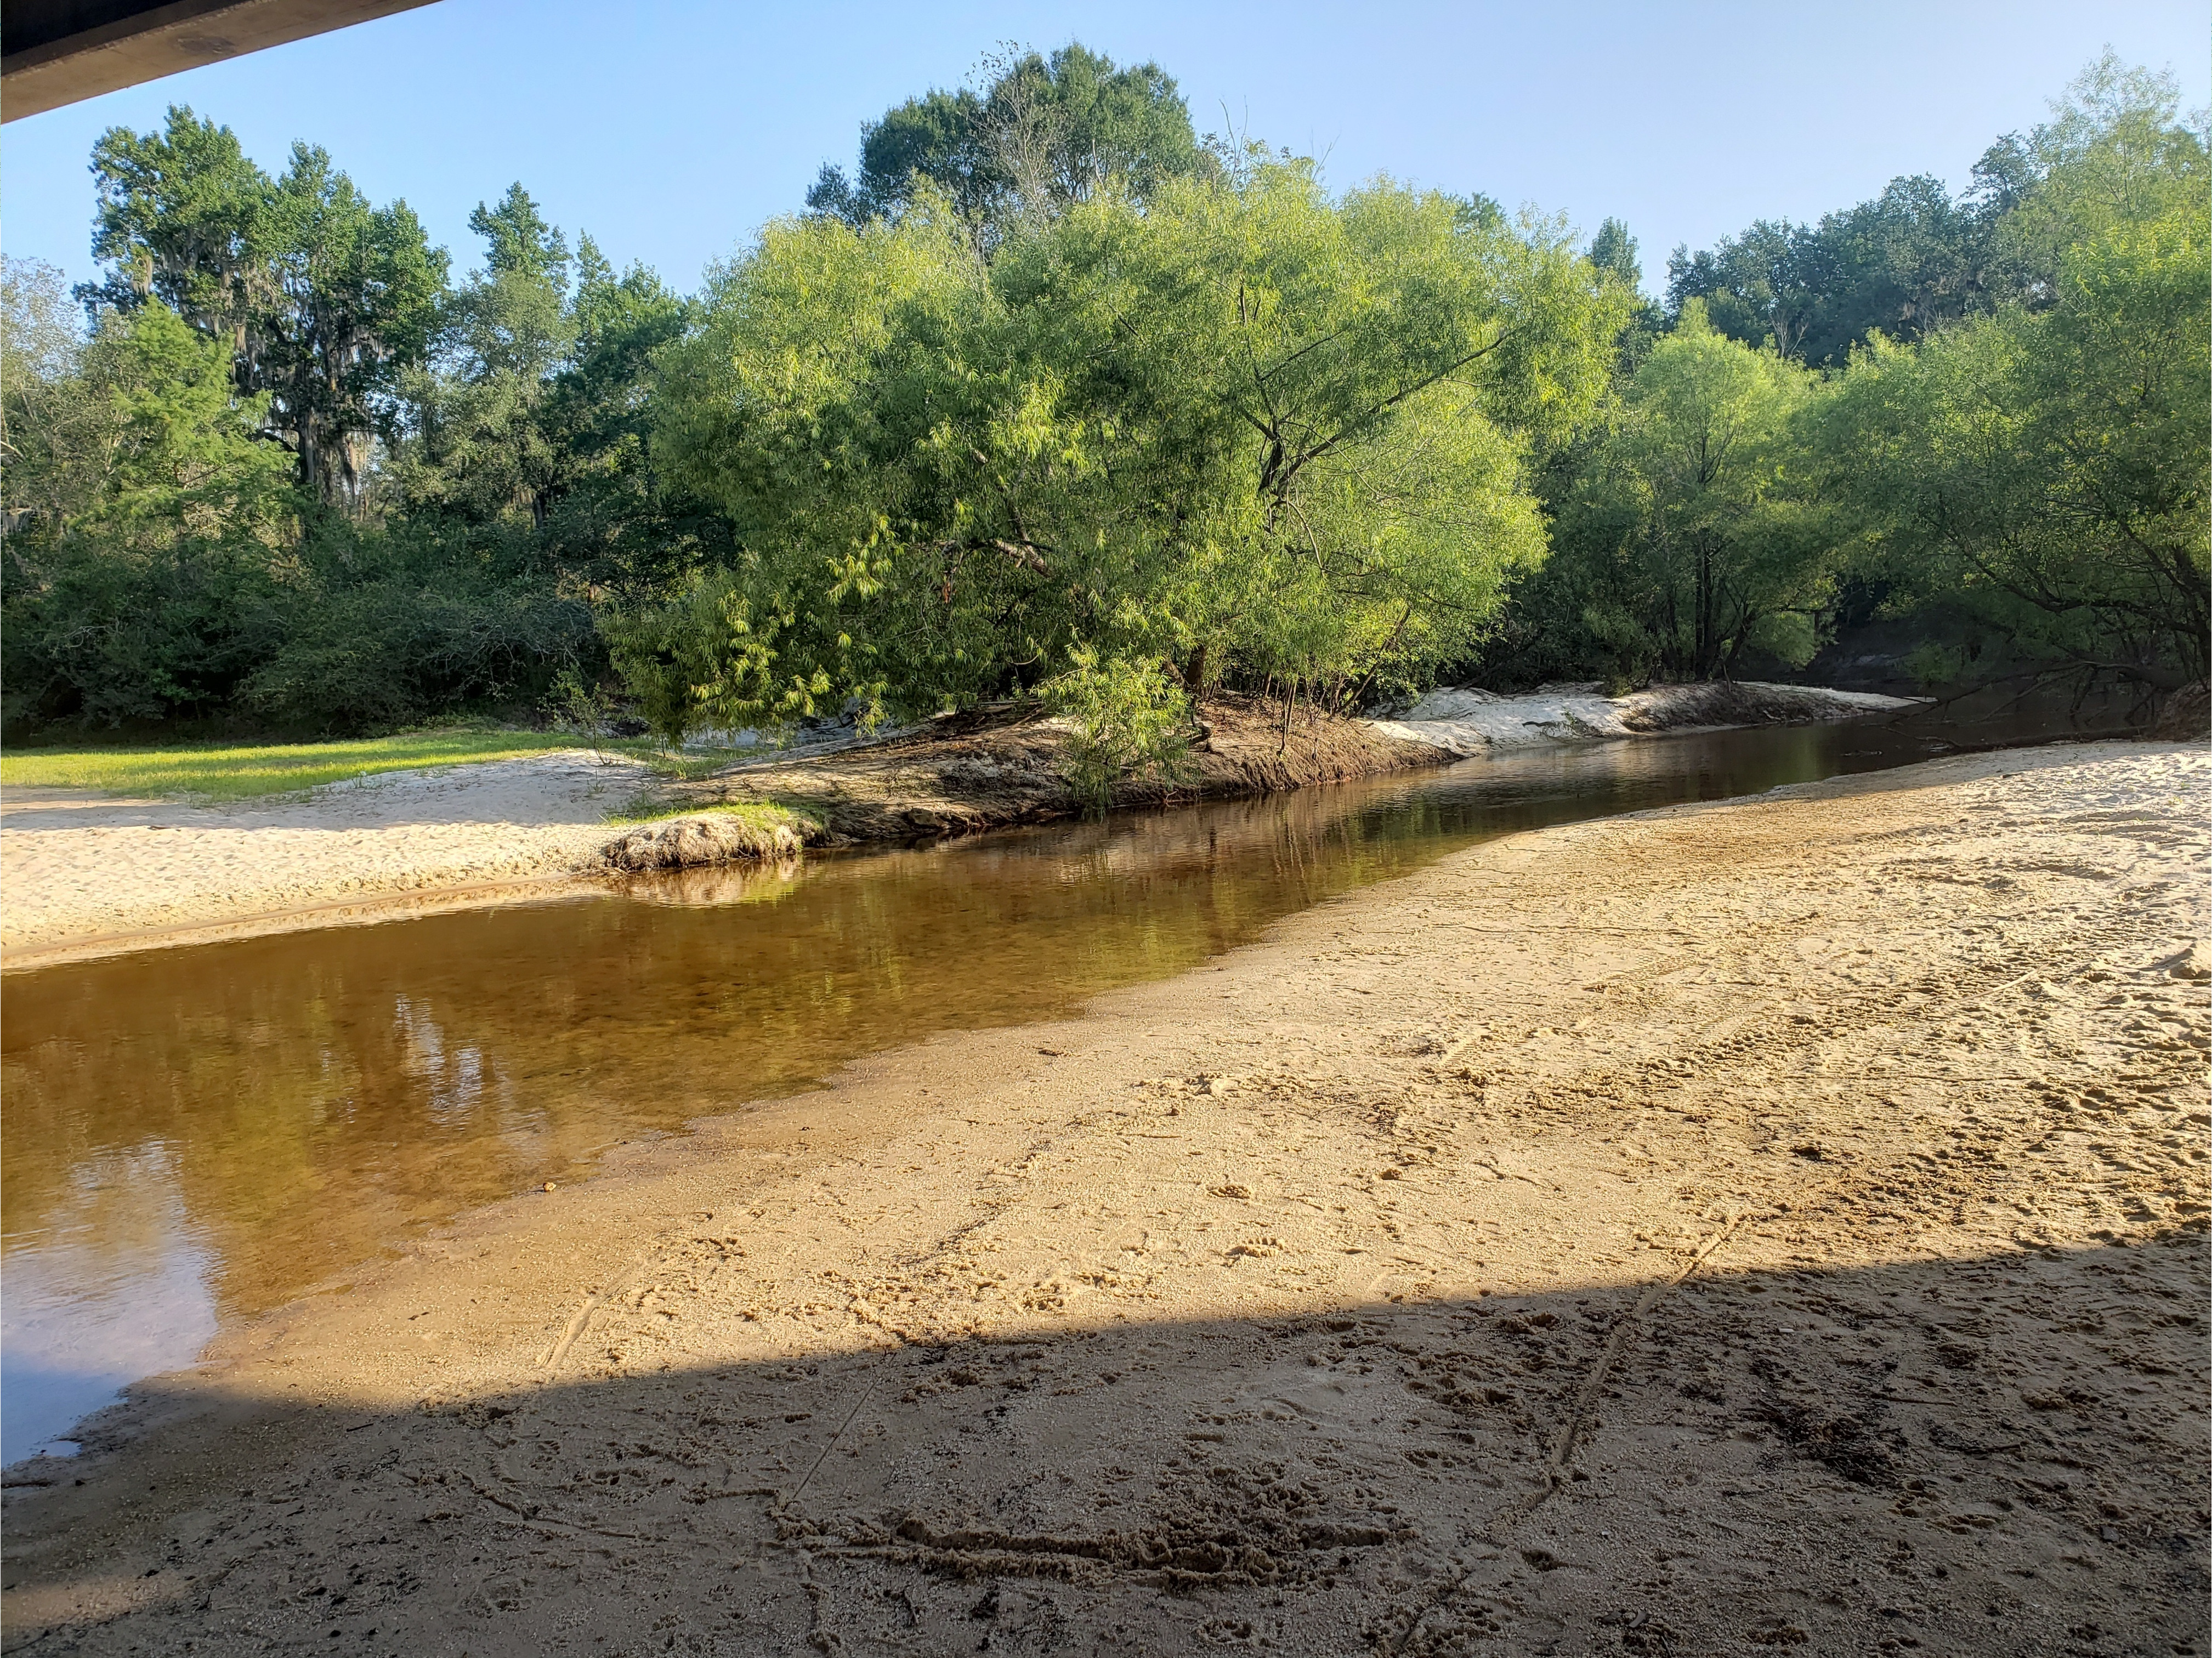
(193, 1136)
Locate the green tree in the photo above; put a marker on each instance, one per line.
(1044, 133)
(139, 587)
(1613, 250)
(689, 658)
(1125, 719)
(528, 435)
(58, 434)
(2049, 464)
(617, 522)
(2115, 151)
(1695, 531)
(1908, 262)
(484, 445)
(520, 243)
(1261, 433)
(323, 300)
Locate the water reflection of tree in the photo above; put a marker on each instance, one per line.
(321, 1093)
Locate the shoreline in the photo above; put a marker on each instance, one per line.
(369, 909)
(87, 876)
(1263, 1298)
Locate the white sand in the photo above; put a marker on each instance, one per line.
(1469, 721)
(79, 870)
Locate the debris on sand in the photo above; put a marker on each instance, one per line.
(2184, 714)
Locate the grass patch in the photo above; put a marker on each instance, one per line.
(662, 835)
(683, 767)
(766, 816)
(218, 771)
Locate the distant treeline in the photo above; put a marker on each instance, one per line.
(1051, 395)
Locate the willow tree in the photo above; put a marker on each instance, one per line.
(1243, 428)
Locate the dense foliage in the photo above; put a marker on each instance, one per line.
(2048, 461)
(1053, 396)
(293, 478)
(1984, 418)
(1043, 135)
(1695, 531)
(1246, 428)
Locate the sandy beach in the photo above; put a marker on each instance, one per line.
(1765, 1224)
(88, 873)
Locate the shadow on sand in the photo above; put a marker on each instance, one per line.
(1988, 1455)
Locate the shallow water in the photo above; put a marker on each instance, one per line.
(196, 1135)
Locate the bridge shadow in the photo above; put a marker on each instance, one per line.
(1995, 1454)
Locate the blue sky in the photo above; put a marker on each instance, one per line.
(670, 130)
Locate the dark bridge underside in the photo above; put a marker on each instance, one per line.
(56, 52)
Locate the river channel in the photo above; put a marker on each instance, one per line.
(196, 1135)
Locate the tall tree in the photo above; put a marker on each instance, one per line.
(322, 298)
(520, 243)
(1693, 531)
(532, 414)
(1613, 250)
(137, 587)
(484, 446)
(618, 522)
(2048, 463)
(58, 434)
(1905, 263)
(1044, 133)
(2115, 151)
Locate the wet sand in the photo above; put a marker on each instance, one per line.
(1772, 1224)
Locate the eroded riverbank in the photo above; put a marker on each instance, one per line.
(1323, 1297)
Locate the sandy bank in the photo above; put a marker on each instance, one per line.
(1466, 720)
(1770, 1223)
(82, 873)
(87, 875)
(958, 776)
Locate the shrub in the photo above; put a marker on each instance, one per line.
(1129, 720)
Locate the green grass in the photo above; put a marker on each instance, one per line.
(763, 815)
(215, 771)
